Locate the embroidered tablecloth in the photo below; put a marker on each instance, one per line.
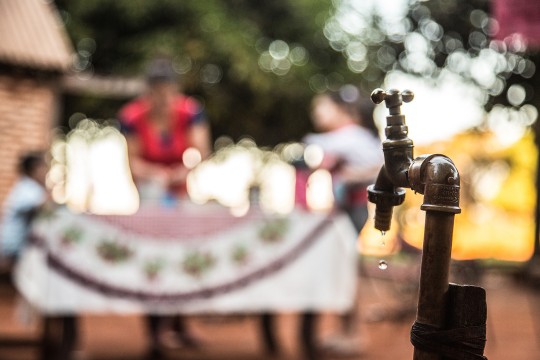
(189, 259)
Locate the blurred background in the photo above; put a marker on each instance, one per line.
(66, 66)
(474, 78)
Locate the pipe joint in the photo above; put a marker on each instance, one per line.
(437, 178)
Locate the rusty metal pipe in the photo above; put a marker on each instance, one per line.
(433, 291)
(437, 178)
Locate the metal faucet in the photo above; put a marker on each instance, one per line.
(437, 178)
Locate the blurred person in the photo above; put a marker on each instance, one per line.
(352, 148)
(353, 155)
(26, 197)
(159, 126)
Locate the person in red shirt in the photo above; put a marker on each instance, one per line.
(159, 126)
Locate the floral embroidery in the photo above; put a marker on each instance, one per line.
(72, 235)
(240, 254)
(274, 230)
(113, 252)
(153, 267)
(196, 263)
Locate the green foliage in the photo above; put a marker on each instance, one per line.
(217, 46)
(221, 48)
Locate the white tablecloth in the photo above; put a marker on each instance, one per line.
(192, 259)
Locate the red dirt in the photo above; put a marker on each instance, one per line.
(385, 319)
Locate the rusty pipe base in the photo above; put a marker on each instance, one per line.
(434, 274)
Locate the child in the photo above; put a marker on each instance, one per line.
(22, 203)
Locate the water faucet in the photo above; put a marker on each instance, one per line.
(436, 177)
(388, 191)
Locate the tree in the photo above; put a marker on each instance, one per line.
(255, 65)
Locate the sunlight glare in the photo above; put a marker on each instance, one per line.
(319, 191)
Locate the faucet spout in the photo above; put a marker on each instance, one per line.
(385, 195)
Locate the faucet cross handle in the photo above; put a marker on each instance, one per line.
(393, 99)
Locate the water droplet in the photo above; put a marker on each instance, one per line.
(383, 265)
(383, 232)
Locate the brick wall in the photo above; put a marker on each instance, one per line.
(27, 110)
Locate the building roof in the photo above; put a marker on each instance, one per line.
(104, 86)
(32, 35)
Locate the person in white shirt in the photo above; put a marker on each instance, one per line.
(352, 148)
(25, 198)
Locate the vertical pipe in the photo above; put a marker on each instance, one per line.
(536, 246)
(434, 274)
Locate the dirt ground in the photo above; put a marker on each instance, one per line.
(386, 312)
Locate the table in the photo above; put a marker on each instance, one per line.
(189, 259)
